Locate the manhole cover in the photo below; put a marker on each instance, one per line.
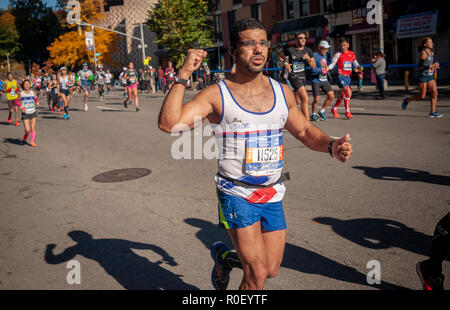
(121, 175)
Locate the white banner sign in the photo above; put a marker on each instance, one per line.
(418, 25)
(89, 40)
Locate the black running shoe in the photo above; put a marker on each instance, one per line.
(429, 282)
(220, 275)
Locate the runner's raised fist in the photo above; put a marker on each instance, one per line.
(192, 62)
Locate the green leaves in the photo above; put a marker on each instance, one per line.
(181, 25)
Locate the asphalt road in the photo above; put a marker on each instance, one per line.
(154, 232)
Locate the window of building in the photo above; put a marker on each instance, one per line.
(290, 12)
(304, 7)
(237, 2)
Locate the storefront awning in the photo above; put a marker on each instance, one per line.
(361, 28)
(301, 24)
(339, 31)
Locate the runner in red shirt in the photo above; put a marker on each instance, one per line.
(344, 60)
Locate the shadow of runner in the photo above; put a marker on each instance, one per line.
(14, 141)
(377, 234)
(404, 174)
(116, 257)
(295, 257)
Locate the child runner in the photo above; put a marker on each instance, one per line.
(27, 101)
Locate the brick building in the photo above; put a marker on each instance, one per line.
(126, 16)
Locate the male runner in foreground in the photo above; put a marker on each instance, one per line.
(247, 113)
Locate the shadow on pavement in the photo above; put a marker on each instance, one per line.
(116, 257)
(5, 123)
(14, 141)
(404, 174)
(106, 110)
(59, 117)
(374, 233)
(295, 257)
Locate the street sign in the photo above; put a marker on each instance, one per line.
(89, 36)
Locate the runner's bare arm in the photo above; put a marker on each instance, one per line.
(173, 113)
(310, 135)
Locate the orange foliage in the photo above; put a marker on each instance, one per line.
(70, 48)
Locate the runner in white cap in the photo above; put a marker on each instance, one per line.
(320, 81)
(84, 76)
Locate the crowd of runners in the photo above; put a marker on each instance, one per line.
(59, 87)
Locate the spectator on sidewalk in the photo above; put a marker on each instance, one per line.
(161, 79)
(379, 65)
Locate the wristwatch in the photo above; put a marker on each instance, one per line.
(182, 81)
(330, 147)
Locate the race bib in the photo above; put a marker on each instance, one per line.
(13, 92)
(264, 155)
(323, 78)
(29, 106)
(171, 75)
(298, 67)
(347, 66)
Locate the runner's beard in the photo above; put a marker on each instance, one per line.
(256, 68)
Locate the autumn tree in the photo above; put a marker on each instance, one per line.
(9, 36)
(181, 25)
(70, 48)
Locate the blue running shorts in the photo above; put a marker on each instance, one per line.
(236, 212)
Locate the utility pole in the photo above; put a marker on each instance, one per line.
(218, 54)
(95, 52)
(381, 27)
(7, 59)
(142, 43)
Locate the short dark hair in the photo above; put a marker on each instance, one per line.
(25, 81)
(248, 23)
(344, 40)
(299, 33)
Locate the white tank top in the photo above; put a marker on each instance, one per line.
(251, 146)
(27, 100)
(64, 82)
